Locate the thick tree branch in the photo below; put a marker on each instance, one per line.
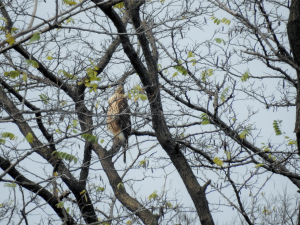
(127, 46)
(84, 204)
(159, 124)
(275, 168)
(119, 189)
(47, 73)
(38, 115)
(293, 31)
(37, 189)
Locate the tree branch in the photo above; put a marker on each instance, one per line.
(37, 189)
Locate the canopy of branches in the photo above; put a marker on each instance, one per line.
(212, 88)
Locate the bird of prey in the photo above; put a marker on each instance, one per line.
(118, 117)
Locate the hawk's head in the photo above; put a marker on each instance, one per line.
(120, 90)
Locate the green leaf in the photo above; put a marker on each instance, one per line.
(10, 39)
(14, 30)
(97, 104)
(74, 123)
(24, 77)
(292, 142)
(204, 118)
(226, 21)
(224, 94)
(137, 92)
(276, 126)
(68, 75)
(168, 205)
(143, 97)
(90, 72)
(69, 2)
(119, 5)
(35, 37)
(103, 223)
(29, 137)
(193, 62)
(244, 134)
(220, 40)
(2, 141)
(218, 161)
(206, 73)
(45, 99)
(58, 131)
(68, 157)
(63, 155)
(154, 195)
(138, 88)
(144, 163)
(181, 70)
(218, 21)
(191, 54)
(205, 122)
(12, 185)
(49, 57)
(245, 76)
(228, 154)
(9, 135)
(175, 74)
(265, 148)
(100, 189)
(12, 74)
(259, 165)
(94, 87)
(91, 61)
(120, 185)
(32, 63)
(70, 20)
(159, 67)
(60, 205)
(2, 18)
(90, 138)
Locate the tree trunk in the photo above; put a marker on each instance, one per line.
(293, 31)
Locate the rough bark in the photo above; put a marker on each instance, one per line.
(84, 204)
(37, 189)
(293, 31)
(149, 78)
(119, 190)
(272, 166)
(86, 123)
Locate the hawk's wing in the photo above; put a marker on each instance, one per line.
(124, 117)
(118, 116)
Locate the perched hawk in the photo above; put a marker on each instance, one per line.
(118, 116)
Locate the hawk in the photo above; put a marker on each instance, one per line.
(118, 117)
